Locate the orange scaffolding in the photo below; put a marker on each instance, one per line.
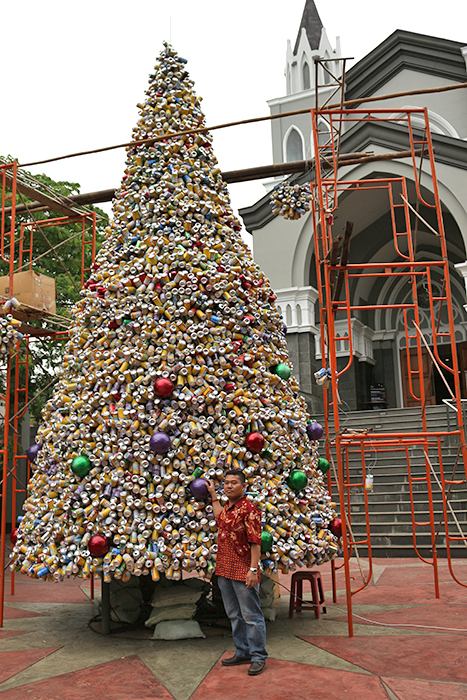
(336, 280)
(17, 251)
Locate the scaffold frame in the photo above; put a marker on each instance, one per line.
(17, 251)
(335, 279)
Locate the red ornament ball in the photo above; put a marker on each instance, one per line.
(254, 442)
(14, 536)
(98, 545)
(336, 527)
(163, 387)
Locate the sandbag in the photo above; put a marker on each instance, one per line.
(171, 612)
(174, 595)
(178, 629)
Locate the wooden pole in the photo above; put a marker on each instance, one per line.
(333, 257)
(202, 130)
(344, 259)
(232, 176)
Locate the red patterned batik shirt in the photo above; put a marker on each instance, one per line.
(239, 527)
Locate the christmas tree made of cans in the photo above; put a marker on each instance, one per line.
(176, 370)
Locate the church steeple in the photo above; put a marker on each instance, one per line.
(311, 23)
(291, 137)
(311, 42)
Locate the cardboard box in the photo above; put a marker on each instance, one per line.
(31, 289)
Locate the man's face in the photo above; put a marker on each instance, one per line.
(233, 487)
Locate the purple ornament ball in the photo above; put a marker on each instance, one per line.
(32, 452)
(160, 443)
(199, 488)
(314, 431)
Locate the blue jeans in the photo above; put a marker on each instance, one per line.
(246, 617)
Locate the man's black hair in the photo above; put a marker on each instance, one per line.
(236, 472)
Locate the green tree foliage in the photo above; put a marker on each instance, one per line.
(64, 266)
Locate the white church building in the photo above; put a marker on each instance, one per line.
(284, 249)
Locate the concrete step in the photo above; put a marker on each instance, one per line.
(403, 517)
(389, 503)
(390, 485)
(395, 420)
(397, 457)
(390, 506)
(390, 528)
(403, 538)
(400, 550)
(395, 478)
(397, 496)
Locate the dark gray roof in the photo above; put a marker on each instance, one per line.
(417, 52)
(312, 24)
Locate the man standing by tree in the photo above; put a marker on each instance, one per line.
(238, 553)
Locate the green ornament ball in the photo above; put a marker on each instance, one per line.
(81, 465)
(282, 370)
(297, 480)
(266, 541)
(323, 465)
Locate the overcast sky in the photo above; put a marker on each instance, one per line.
(72, 73)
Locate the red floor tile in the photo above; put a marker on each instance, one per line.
(17, 613)
(405, 595)
(116, 680)
(404, 561)
(428, 657)
(29, 590)
(425, 690)
(407, 575)
(11, 633)
(285, 679)
(12, 662)
(445, 615)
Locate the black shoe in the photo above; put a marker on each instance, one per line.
(256, 668)
(235, 661)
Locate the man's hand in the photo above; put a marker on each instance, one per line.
(211, 487)
(216, 506)
(251, 579)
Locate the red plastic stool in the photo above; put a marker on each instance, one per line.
(317, 602)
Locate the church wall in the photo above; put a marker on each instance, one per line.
(349, 384)
(301, 348)
(451, 105)
(279, 127)
(274, 249)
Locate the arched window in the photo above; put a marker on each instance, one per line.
(324, 132)
(294, 147)
(438, 124)
(327, 77)
(299, 315)
(306, 76)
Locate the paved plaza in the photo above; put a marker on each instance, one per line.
(48, 651)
